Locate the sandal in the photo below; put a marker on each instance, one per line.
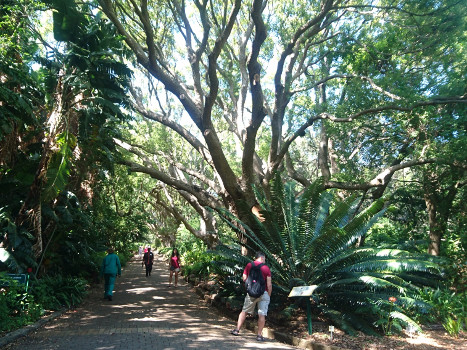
(259, 338)
(234, 332)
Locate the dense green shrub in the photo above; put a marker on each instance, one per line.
(448, 308)
(199, 263)
(17, 308)
(54, 293)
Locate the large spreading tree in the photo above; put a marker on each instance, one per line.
(339, 89)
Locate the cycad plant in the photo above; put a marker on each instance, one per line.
(310, 239)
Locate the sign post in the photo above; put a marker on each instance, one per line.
(331, 329)
(305, 291)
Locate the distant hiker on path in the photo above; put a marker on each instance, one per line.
(174, 266)
(145, 250)
(253, 287)
(148, 259)
(111, 267)
(140, 251)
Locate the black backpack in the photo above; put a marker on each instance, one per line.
(255, 283)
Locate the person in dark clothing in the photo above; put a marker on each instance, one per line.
(148, 259)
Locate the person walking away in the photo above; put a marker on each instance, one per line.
(262, 300)
(174, 266)
(148, 259)
(111, 267)
(140, 251)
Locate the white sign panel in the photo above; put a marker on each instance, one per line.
(302, 291)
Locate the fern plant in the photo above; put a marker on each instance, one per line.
(311, 240)
(56, 292)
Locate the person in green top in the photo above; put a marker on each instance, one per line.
(110, 269)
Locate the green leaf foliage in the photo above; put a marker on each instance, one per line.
(54, 293)
(17, 307)
(59, 105)
(310, 239)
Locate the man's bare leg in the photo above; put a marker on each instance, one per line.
(261, 322)
(241, 319)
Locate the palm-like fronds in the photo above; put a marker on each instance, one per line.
(307, 243)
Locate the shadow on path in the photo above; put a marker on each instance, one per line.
(144, 314)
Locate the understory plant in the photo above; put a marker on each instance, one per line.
(448, 307)
(310, 239)
(17, 307)
(56, 292)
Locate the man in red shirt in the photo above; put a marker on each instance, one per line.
(262, 301)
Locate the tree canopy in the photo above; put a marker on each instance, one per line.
(212, 98)
(354, 91)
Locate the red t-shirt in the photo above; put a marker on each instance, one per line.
(264, 269)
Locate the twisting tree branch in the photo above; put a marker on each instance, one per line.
(384, 176)
(301, 131)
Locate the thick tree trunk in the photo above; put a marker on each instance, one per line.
(29, 215)
(323, 155)
(208, 230)
(438, 202)
(436, 232)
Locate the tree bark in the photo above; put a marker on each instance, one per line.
(439, 201)
(436, 228)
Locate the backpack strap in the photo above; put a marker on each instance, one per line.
(254, 265)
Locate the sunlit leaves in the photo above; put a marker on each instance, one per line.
(310, 240)
(59, 166)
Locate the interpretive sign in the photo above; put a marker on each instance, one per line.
(302, 291)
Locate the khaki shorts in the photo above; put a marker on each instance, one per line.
(263, 304)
